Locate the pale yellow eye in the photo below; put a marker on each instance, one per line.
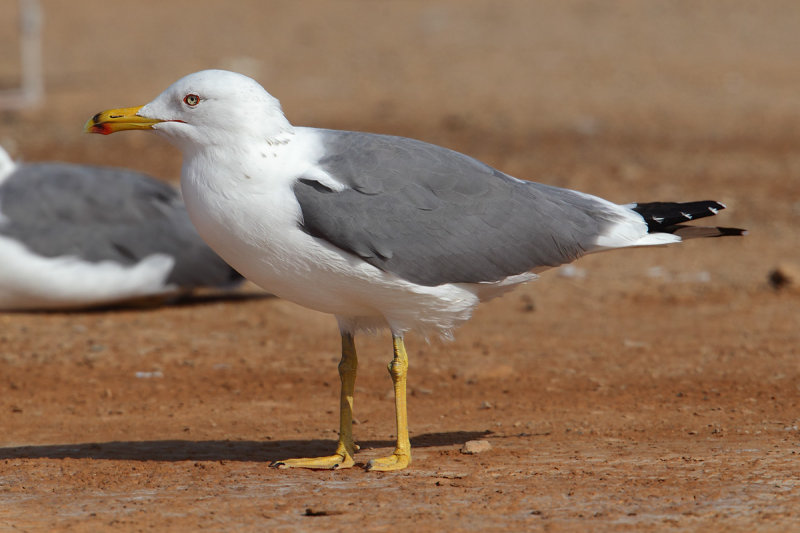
(191, 100)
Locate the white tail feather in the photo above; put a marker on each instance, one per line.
(631, 231)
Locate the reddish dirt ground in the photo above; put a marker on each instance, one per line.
(648, 390)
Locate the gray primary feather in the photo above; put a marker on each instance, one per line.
(99, 213)
(431, 215)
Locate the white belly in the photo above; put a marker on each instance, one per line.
(31, 281)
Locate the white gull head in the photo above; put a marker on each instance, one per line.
(216, 107)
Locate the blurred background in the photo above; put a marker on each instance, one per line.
(630, 100)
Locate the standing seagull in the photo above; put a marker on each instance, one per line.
(75, 236)
(380, 231)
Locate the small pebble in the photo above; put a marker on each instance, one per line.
(572, 271)
(150, 375)
(476, 446)
(785, 275)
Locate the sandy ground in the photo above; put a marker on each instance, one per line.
(648, 390)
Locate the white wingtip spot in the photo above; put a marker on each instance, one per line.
(686, 215)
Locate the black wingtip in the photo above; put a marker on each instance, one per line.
(686, 231)
(736, 232)
(667, 217)
(671, 217)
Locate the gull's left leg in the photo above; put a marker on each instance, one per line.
(346, 449)
(398, 369)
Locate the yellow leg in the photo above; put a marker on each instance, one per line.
(346, 449)
(398, 369)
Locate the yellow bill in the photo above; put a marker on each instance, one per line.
(113, 120)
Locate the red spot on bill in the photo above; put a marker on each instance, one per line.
(104, 129)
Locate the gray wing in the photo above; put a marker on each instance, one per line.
(99, 213)
(431, 215)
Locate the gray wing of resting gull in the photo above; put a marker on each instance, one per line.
(431, 215)
(106, 214)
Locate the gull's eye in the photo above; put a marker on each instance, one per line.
(191, 100)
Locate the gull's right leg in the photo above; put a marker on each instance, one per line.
(346, 449)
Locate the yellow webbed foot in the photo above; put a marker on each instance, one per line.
(330, 462)
(396, 461)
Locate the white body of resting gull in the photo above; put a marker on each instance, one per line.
(379, 231)
(76, 236)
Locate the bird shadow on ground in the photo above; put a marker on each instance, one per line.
(154, 303)
(216, 450)
(192, 300)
